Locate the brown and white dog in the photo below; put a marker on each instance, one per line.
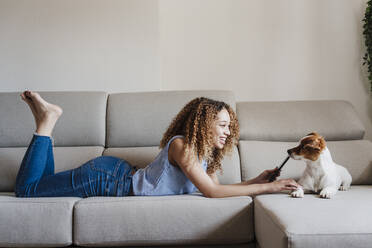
(321, 173)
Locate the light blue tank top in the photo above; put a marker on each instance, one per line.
(162, 178)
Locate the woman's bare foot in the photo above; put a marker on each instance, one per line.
(45, 114)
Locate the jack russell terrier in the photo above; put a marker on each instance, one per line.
(321, 173)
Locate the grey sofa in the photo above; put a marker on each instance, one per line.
(130, 126)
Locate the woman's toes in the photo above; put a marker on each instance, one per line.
(39, 102)
(27, 94)
(26, 99)
(31, 105)
(43, 107)
(34, 95)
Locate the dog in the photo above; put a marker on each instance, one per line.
(321, 173)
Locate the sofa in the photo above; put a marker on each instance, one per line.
(130, 126)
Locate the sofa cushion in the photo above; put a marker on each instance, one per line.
(37, 222)
(65, 158)
(161, 220)
(257, 156)
(81, 124)
(343, 221)
(142, 156)
(290, 121)
(140, 119)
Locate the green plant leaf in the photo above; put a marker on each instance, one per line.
(367, 33)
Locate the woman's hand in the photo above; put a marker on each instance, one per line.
(283, 184)
(265, 176)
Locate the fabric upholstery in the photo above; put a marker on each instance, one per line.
(65, 158)
(131, 125)
(36, 222)
(81, 124)
(140, 119)
(341, 222)
(160, 220)
(290, 121)
(355, 155)
(142, 156)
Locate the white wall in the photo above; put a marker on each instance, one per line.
(267, 50)
(263, 50)
(109, 45)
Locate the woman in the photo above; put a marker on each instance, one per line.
(193, 147)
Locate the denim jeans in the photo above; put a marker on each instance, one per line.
(102, 176)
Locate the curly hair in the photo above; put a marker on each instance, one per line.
(194, 122)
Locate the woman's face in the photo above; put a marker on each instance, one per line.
(221, 129)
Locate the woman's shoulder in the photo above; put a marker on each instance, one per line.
(178, 155)
(177, 141)
(175, 149)
(176, 138)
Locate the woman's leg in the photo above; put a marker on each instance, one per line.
(102, 176)
(49, 167)
(38, 161)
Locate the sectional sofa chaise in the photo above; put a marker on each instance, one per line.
(130, 126)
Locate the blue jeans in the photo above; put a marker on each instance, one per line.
(102, 176)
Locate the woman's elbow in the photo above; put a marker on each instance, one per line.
(211, 193)
(208, 195)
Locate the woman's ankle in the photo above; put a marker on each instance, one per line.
(42, 134)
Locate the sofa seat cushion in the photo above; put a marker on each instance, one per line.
(37, 222)
(343, 221)
(161, 220)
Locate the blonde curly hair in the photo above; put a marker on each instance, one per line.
(194, 122)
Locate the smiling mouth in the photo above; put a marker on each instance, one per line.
(223, 141)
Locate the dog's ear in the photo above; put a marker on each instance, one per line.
(317, 144)
(322, 143)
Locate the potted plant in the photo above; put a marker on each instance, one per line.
(367, 33)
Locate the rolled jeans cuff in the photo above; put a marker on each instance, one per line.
(45, 136)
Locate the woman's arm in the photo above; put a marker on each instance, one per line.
(192, 168)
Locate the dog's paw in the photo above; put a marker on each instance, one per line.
(327, 193)
(344, 187)
(298, 194)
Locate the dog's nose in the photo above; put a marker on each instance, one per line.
(289, 152)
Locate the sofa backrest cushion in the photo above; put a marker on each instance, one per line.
(290, 121)
(136, 123)
(140, 119)
(81, 124)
